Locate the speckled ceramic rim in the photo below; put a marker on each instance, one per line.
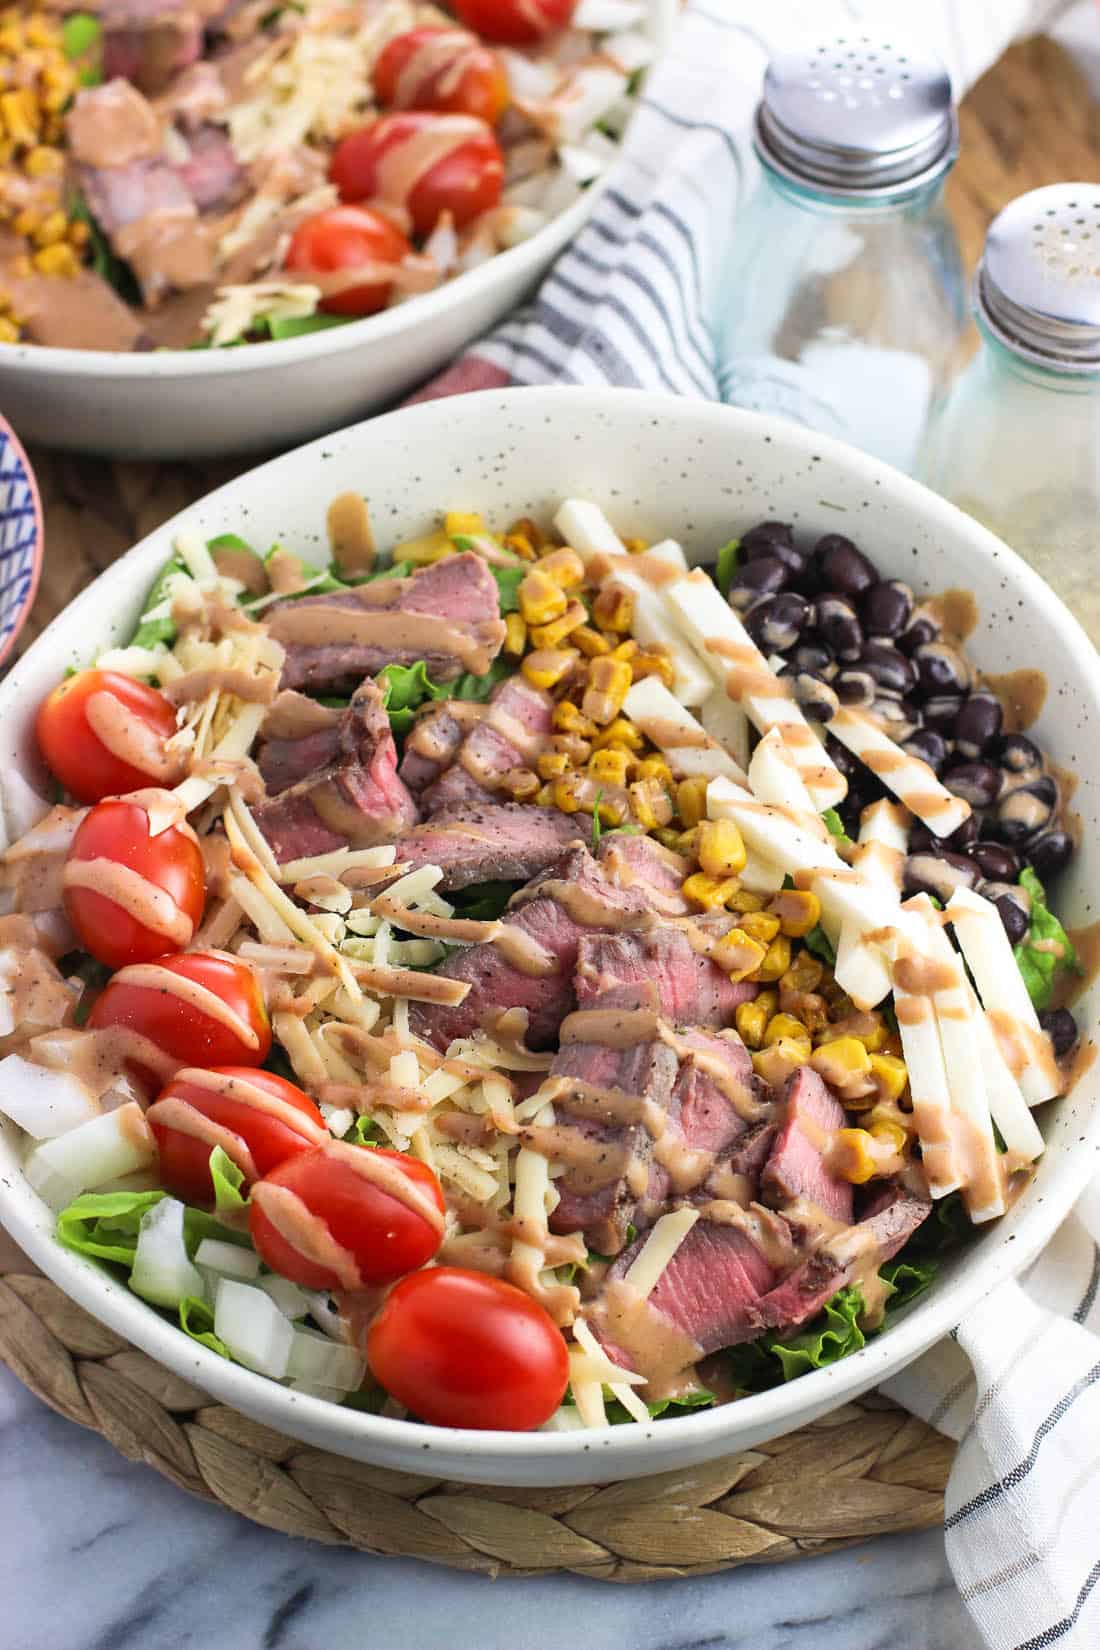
(9, 435)
(626, 1451)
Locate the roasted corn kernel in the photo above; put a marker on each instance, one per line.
(515, 634)
(56, 260)
(890, 1076)
(806, 1006)
(840, 1061)
(568, 719)
(590, 642)
(547, 667)
(626, 650)
(635, 547)
(785, 1026)
(52, 228)
(853, 1156)
(654, 767)
(520, 545)
(564, 566)
(423, 551)
(649, 803)
(798, 911)
(890, 1135)
(709, 892)
(761, 925)
(552, 764)
(570, 745)
(544, 796)
(691, 801)
(750, 1020)
(9, 331)
(540, 599)
(721, 850)
(613, 608)
(804, 974)
(744, 901)
(520, 783)
(462, 523)
(549, 635)
(20, 114)
(565, 796)
(608, 685)
(43, 162)
(738, 954)
(777, 958)
(776, 1063)
(609, 766)
(526, 528)
(622, 734)
(651, 663)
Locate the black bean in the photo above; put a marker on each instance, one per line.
(843, 760)
(978, 724)
(941, 668)
(1050, 853)
(776, 622)
(995, 861)
(842, 567)
(923, 629)
(855, 687)
(1015, 920)
(838, 626)
(900, 718)
(939, 874)
(942, 712)
(1026, 810)
(978, 783)
(1061, 1028)
(929, 746)
(811, 659)
(890, 669)
(965, 834)
(763, 577)
(762, 539)
(1018, 754)
(886, 608)
(816, 697)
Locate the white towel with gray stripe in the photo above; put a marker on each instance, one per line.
(1019, 1383)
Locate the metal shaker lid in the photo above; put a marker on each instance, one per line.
(858, 116)
(1038, 287)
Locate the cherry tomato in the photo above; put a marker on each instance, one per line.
(426, 163)
(349, 237)
(442, 69)
(129, 895)
(102, 734)
(515, 22)
(203, 1008)
(265, 1120)
(345, 1217)
(460, 1349)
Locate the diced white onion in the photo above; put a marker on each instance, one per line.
(292, 1302)
(252, 1327)
(324, 1362)
(229, 1260)
(163, 1272)
(338, 1119)
(44, 1103)
(115, 1144)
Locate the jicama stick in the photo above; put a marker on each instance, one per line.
(675, 732)
(911, 780)
(861, 967)
(741, 669)
(654, 624)
(1004, 996)
(938, 971)
(583, 525)
(774, 778)
(928, 1085)
(725, 721)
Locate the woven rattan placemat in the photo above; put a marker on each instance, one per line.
(867, 1469)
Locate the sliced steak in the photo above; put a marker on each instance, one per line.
(122, 195)
(602, 1098)
(489, 842)
(639, 862)
(300, 736)
(796, 1168)
(352, 799)
(691, 989)
(384, 623)
(861, 1249)
(510, 732)
(212, 174)
(532, 966)
(717, 1098)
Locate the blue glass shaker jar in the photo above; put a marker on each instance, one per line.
(843, 302)
(1018, 443)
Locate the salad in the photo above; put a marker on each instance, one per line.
(178, 175)
(517, 981)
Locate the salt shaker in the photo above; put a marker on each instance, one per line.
(843, 302)
(1018, 442)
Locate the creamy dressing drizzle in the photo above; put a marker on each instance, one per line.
(174, 1112)
(384, 1173)
(259, 1098)
(152, 977)
(404, 164)
(464, 930)
(258, 689)
(132, 740)
(349, 533)
(306, 1232)
(375, 625)
(141, 899)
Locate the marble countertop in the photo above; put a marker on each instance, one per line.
(105, 1555)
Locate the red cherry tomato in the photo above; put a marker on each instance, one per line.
(264, 1120)
(345, 1217)
(426, 163)
(131, 896)
(442, 69)
(102, 734)
(460, 1349)
(203, 1008)
(349, 238)
(515, 22)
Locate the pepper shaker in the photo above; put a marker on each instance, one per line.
(843, 304)
(1018, 443)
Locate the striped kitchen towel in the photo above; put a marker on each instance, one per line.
(1019, 1384)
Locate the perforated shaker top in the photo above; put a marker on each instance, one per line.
(1039, 280)
(858, 115)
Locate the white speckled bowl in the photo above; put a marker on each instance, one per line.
(190, 404)
(661, 467)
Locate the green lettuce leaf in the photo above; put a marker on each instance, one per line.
(832, 1335)
(82, 43)
(483, 901)
(197, 1320)
(508, 580)
(365, 1132)
(394, 570)
(151, 632)
(406, 687)
(820, 945)
(1046, 946)
(228, 1180)
(835, 826)
(293, 326)
(117, 274)
(728, 558)
(320, 580)
(104, 1225)
(907, 1279)
(947, 1227)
